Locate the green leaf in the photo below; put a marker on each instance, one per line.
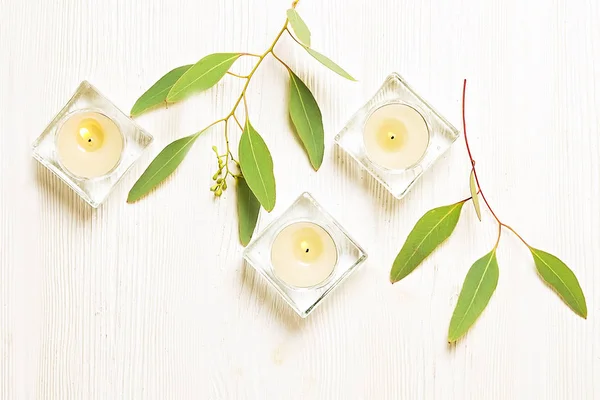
(202, 75)
(161, 167)
(157, 94)
(248, 209)
(474, 195)
(307, 119)
(560, 278)
(480, 283)
(429, 232)
(328, 63)
(257, 166)
(299, 26)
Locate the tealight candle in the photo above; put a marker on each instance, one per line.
(303, 254)
(89, 144)
(395, 136)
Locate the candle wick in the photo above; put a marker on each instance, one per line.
(307, 250)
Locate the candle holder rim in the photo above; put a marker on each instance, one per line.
(395, 75)
(87, 84)
(339, 274)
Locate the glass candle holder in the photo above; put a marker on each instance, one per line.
(396, 136)
(90, 144)
(304, 254)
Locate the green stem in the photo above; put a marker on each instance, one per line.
(237, 76)
(227, 172)
(242, 96)
(209, 126)
(246, 107)
(516, 234)
(245, 87)
(237, 121)
(499, 234)
(281, 61)
(293, 37)
(251, 74)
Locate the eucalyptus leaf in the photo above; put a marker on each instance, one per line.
(157, 94)
(328, 63)
(480, 283)
(307, 119)
(560, 278)
(161, 167)
(474, 195)
(429, 232)
(202, 75)
(299, 26)
(248, 209)
(257, 166)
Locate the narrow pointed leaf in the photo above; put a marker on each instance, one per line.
(307, 119)
(430, 231)
(161, 167)
(560, 278)
(328, 63)
(299, 26)
(157, 94)
(474, 195)
(248, 209)
(257, 166)
(202, 75)
(480, 283)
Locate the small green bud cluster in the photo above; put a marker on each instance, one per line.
(220, 183)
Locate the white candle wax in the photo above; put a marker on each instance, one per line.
(89, 144)
(303, 254)
(395, 136)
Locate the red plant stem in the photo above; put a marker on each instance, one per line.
(470, 155)
(465, 200)
(480, 191)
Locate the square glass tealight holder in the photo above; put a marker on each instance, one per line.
(278, 252)
(91, 144)
(396, 136)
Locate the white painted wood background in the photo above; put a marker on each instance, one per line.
(153, 301)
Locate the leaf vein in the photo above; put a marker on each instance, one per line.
(201, 76)
(559, 278)
(312, 136)
(262, 181)
(418, 247)
(149, 180)
(476, 291)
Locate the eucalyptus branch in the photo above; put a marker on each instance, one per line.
(292, 36)
(280, 61)
(238, 123)
(246, 108)
(470, 154)
(480, 283)
(254, 169)
(480, 191)
(238, 76)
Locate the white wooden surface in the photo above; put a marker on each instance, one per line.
(152, 300)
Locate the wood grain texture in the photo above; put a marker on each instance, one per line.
(152, 300)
